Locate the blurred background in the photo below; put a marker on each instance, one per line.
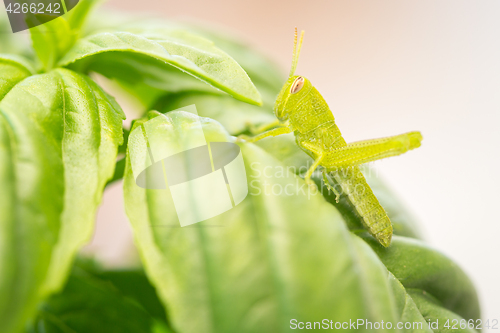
(385, 67)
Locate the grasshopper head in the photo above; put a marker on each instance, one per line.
(291, 93)
(295, 87)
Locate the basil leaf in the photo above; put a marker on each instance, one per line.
(135, 285)
(409, 315)
(265, 74)
(158, 52)
(51, 40)
(256, 267)
(95, 302)
(418, 266)
(13, 69)
(59, 135)
(439, 316)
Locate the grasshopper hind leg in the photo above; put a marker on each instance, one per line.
(361, 199)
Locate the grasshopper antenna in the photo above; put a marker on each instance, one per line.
(296, 51)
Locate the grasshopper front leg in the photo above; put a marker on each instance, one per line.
(274, 132)
(254, 130)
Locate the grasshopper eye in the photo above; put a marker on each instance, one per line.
(297, 85)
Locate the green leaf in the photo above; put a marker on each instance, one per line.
(263, 72)
(270, 259)
(236, 117)
(439, 315)
(418, 266)
(142, 79)
(174, 89)
(160, 52)
(13, 69)
(59, 135)
(51, 40)
(407, 310)
(99, 302)
(135, 285)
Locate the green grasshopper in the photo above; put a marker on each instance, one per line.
(301, 109)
